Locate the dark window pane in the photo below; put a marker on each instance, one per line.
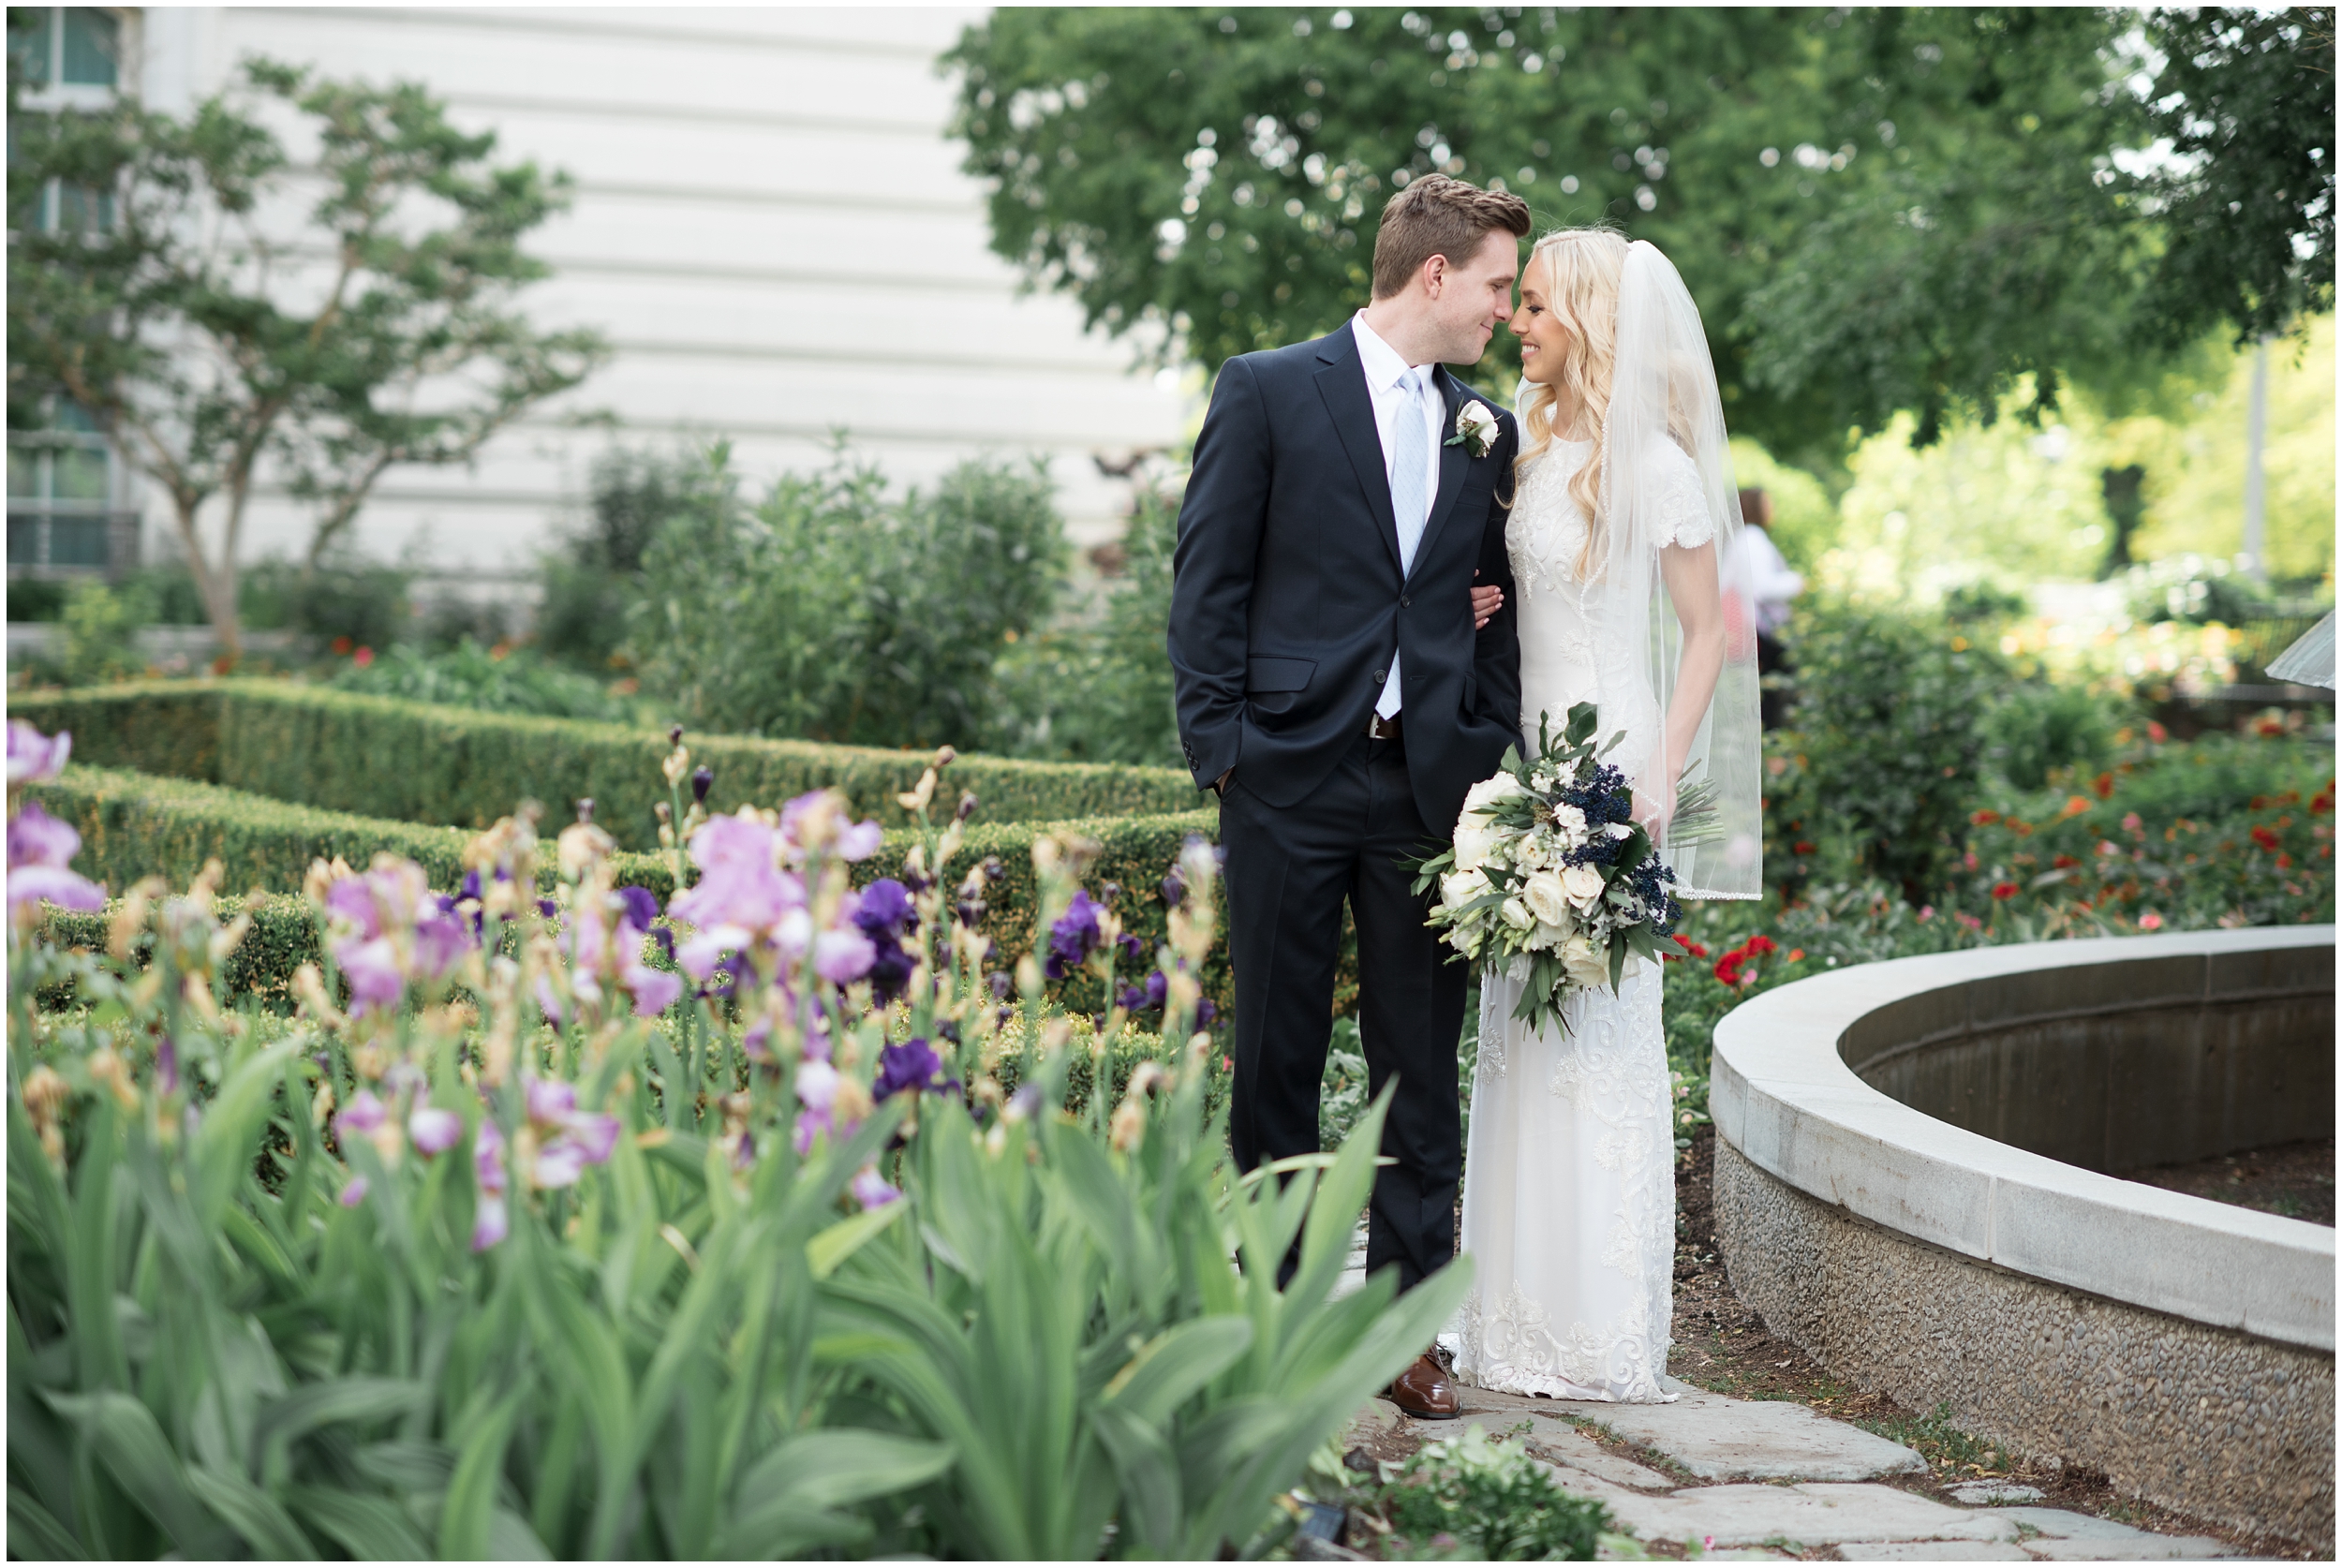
(81, 473)
(29, 42)
(72, 416)
(24, 541)
(92, 43)
(76, 541)
(23, 472)
(84, 211)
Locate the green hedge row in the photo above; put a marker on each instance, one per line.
(134, 825)
(424, 763)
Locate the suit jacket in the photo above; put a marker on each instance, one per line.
(1288, 598)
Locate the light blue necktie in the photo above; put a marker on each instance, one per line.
(1410, 508)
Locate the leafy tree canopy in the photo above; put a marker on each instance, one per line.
(1878, 210)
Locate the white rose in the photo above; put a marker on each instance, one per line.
(1472, 847)
(1486, 792)
(1585, 964)
(1516, 914)
(1569, 824)
(1584, 885)
(1458, 888)
(1547, 898)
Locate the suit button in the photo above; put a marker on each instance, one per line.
(1381, 676)
(1404, 602)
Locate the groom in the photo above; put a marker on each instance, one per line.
(1333, 691)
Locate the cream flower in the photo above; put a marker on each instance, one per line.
(1583, 886)
(1472, 845)
(1516, 914)
(1547, 898)
(1584, 964)
(1458, 888)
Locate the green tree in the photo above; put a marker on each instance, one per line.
(2246, 98)
(212, 325)
(1878, 210)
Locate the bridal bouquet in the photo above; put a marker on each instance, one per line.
(1550, 878)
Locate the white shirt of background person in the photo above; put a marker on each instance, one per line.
(1766, 577)
(1400, 390)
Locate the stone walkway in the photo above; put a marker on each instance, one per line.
(1764, 1479)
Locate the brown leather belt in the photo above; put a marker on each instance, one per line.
(1383, 729)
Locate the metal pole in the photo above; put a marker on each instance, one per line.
(2256, 497)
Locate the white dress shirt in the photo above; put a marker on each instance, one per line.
(1400, 390)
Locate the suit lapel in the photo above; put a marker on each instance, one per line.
(1454, 463)
(1343, 384)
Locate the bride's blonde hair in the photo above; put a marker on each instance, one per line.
(1582, 271)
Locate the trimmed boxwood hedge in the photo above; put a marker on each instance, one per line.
(134, 825)
(424, 763)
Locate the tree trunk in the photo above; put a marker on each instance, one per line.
(218, 584)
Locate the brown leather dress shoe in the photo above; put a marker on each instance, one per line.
(1425, 1391)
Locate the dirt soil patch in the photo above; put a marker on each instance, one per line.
(1723, 1345)
(2292, 1179)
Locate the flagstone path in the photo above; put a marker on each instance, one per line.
(1757, 1479)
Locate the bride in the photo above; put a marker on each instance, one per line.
(1624, 505)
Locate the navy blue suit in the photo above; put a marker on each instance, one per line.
(1288, 601)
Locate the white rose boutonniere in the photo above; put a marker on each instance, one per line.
(1475, 429)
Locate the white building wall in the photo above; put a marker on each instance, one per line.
(769, 227)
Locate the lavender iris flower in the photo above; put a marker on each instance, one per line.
(860, 841)
(362, 1116)
(33, 756)
(39, 849)
(37, 838)
(29, 885)
(1074, 938)
(842, 958)
(912, 1065)
(741, 882)
(440, 942)
(873, 1191)
(490, 1223)
(372, 969)
(488, 1156)
(434, 1131)
(354, 1192)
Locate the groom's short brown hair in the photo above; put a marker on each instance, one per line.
(1439, 216)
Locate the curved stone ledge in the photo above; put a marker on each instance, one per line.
(2183, 1346)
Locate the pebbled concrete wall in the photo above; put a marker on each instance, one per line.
(2219, 1424)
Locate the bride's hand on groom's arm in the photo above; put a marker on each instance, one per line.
(1486, 601)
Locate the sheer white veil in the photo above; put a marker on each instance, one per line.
(1664, 408)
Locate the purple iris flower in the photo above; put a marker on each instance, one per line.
(440, 942)
(434, 1131)
(1205, 1012)
(702, 780)
(1174, 890)
(471, 888)
(488, 1156)
(641, 906)
(549, 1100)
(166, 1065)
(39, 849)
(1139, 999)
(912, 1065)
(884, 915)
(1133, 949)
(1074, 938)
(842, 958)
(741, 882)
(547, 908)
(29, 885)
(33, 756)
(354, 1192)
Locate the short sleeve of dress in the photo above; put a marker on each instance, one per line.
(1683, 513)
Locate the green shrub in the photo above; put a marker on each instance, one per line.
(380, 757)
(2038, 730)
(1472, 1498)
(101, 629)
(518, 680)
(834, 612)
(368, 602)
(1889, 738)
(133, 826)
(1100, 689)
(589, 581)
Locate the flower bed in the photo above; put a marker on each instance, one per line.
(421, 762)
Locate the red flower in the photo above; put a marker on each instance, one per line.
(2265, 838)
(1984, 818)
(1696, 950)
(1796, 954)
(1801, 848)
(2062, 862)
(2004, 890)
(341, 645)
(2156, 734)
(1757, 944)
(1728, 967)
(362, 657)
(2285, 862)
(2105, 785)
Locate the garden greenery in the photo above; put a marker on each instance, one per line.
(513, 1241)
(421, 762)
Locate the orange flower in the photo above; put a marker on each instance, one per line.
(2075, 806)
(2105, 785)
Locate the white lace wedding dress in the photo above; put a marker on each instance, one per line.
(1569, 1181)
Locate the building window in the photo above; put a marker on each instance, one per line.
(62, 514)
(71, 46)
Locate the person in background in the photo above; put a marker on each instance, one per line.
(1766, 583)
